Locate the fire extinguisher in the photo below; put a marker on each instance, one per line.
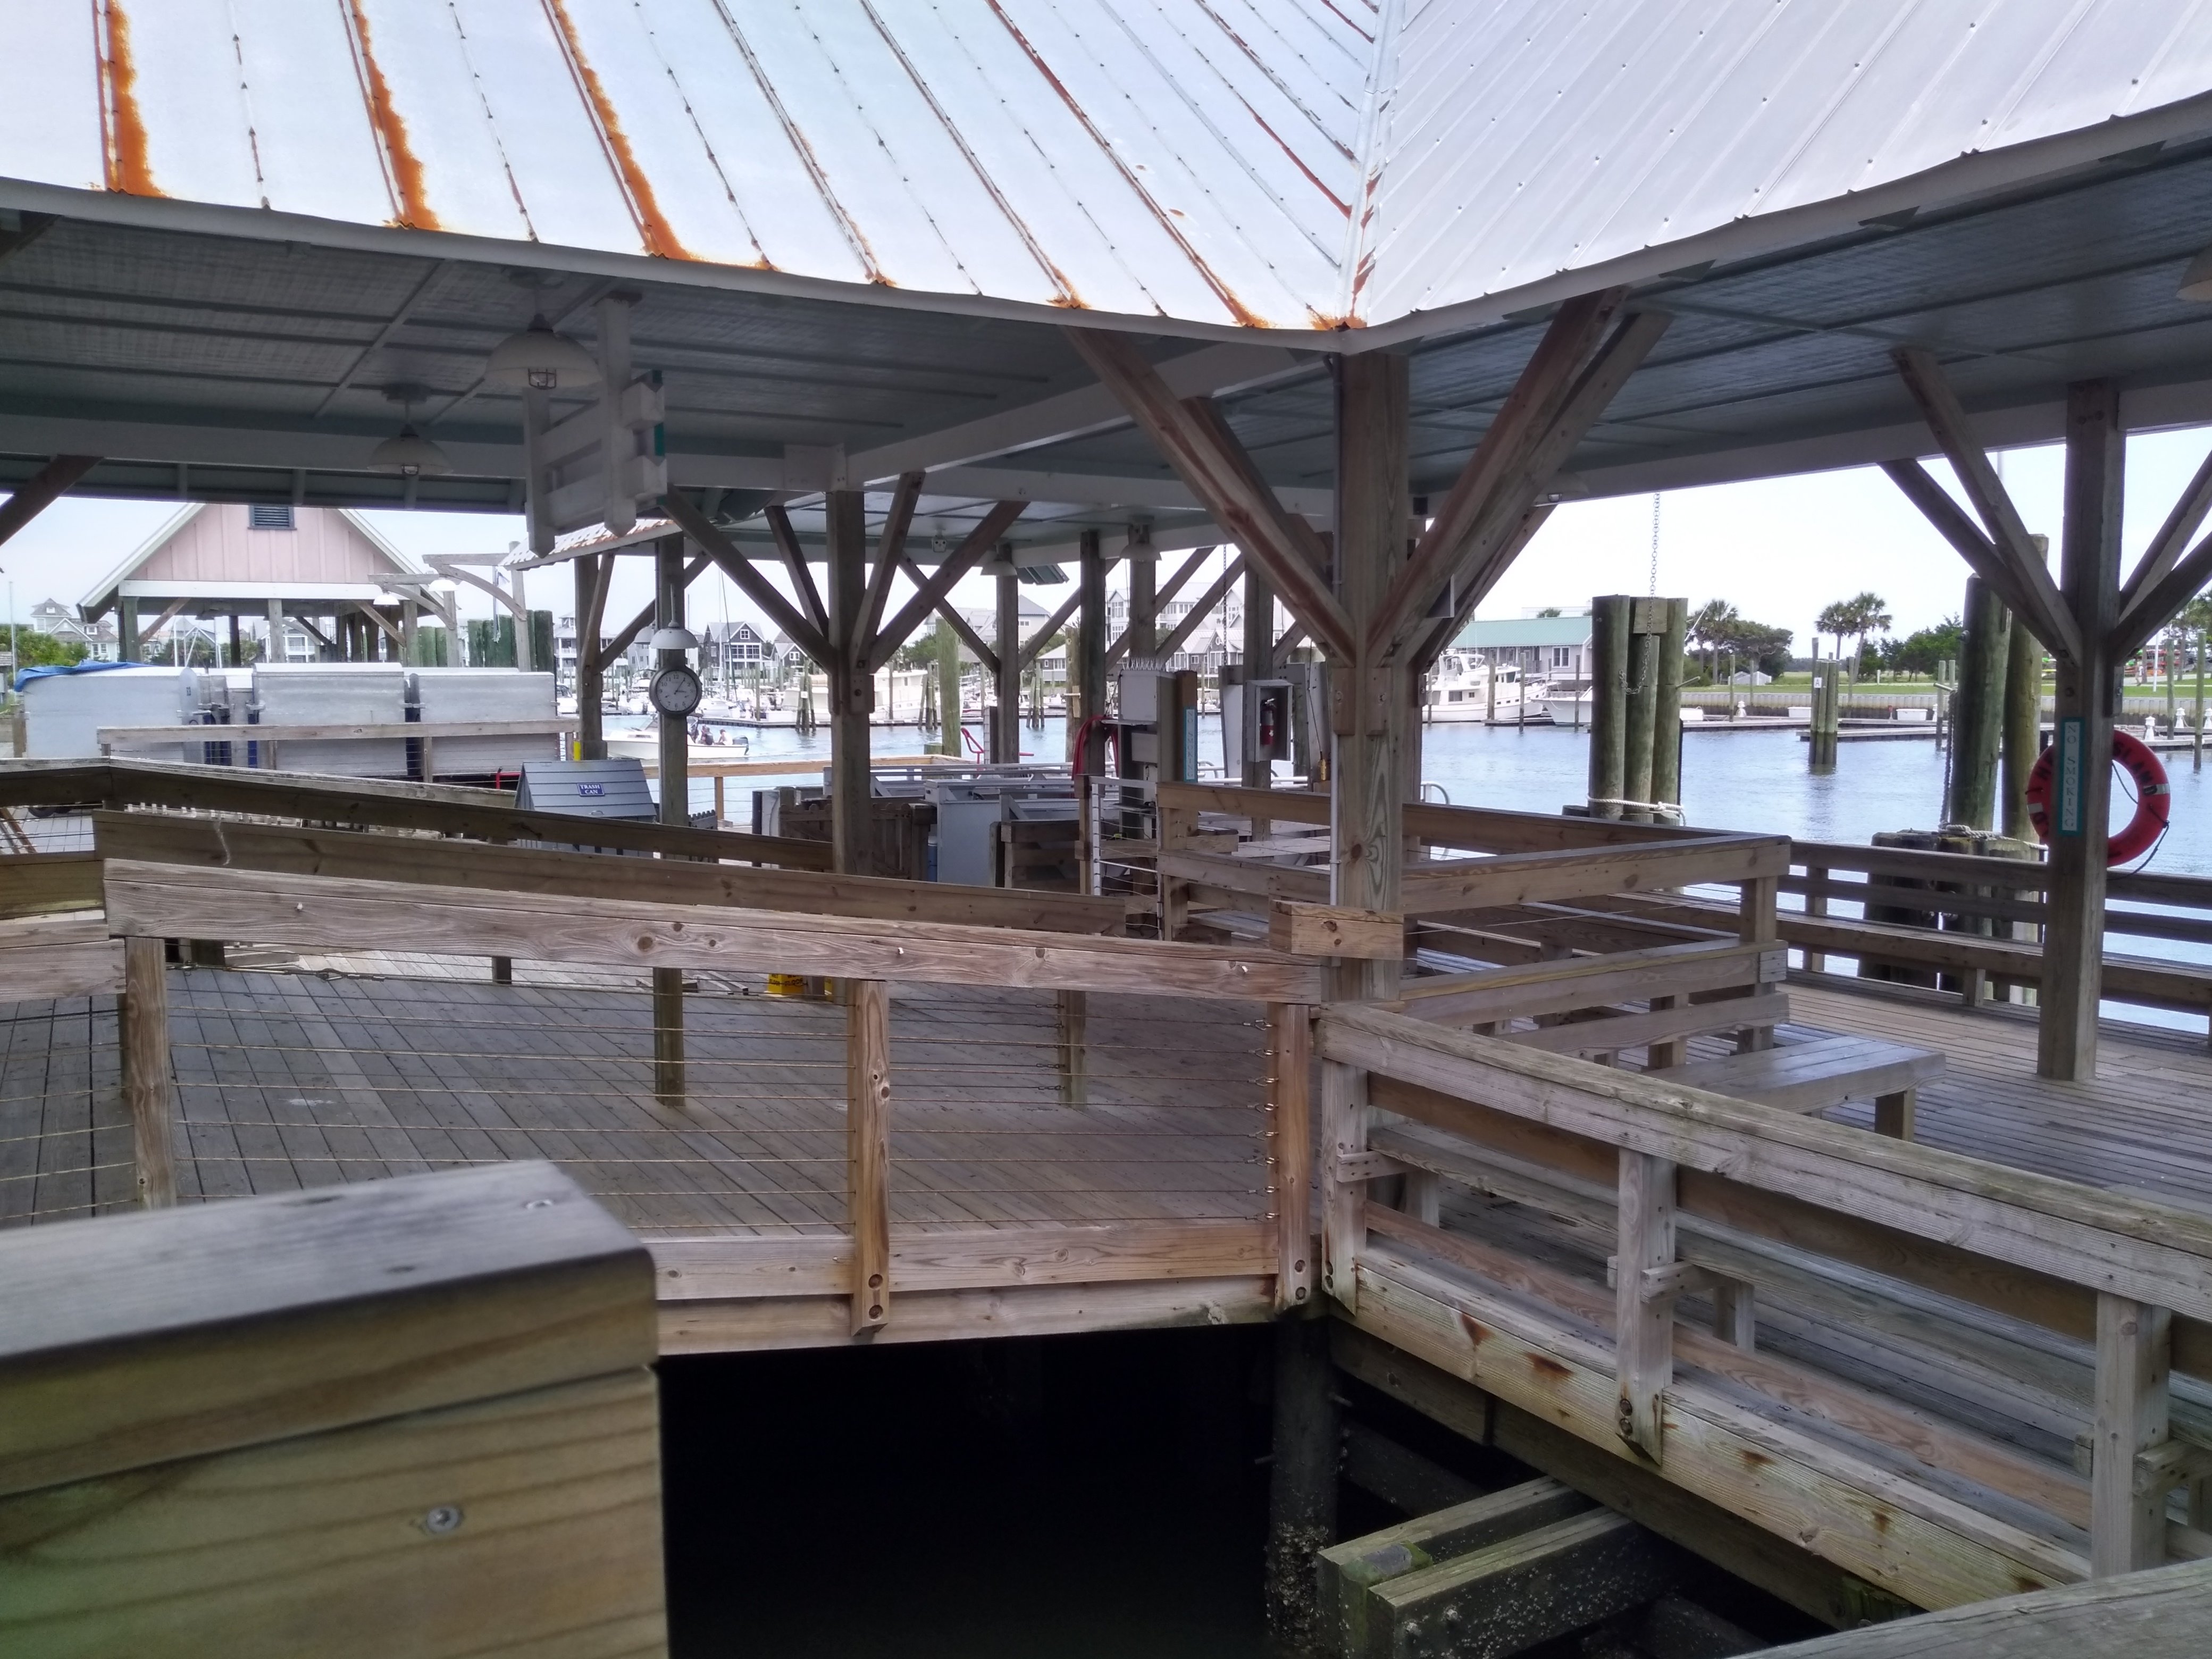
(1266, 725)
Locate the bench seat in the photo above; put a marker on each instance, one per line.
(1812, 1076)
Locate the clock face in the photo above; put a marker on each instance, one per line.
(676, 691)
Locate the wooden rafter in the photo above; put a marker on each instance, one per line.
(595, 608)
(2152, 608)
(953, 620)
(380, 619)
(732, 564)
(1184, 572)
(1202, 607)
(619, 642)
(38, 491)
(1952, 522)
(1467, 594)
(2166, 548)
(1193, 439)
(897, 523)
(794, 566)
(932, 592)
(2028, 588)
(1051, 625)
(1534, 404)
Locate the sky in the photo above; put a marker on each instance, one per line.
(1778, 550)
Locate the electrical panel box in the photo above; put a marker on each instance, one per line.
(1256, 724)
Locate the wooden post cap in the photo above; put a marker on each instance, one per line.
(1329, 930)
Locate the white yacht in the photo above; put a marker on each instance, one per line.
(1459, 689)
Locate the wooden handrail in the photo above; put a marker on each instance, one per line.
(349, 732)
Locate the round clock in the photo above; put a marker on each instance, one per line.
(676, 691)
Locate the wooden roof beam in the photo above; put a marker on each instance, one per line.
(1951, 522)
(1191, 436)
(619, 642)
(2152, 608)
(794, 566)
(732, 564)
(897, 523)
(1202, 608)
(41, 489)
(2026, 582)
(1184, 572)
(1544, 384)
(932, 593)
(1052, 624)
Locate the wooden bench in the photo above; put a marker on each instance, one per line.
(1811, 1077)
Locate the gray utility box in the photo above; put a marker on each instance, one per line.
(587, 789)
(335, 694)
(448, 696)
(969, 811)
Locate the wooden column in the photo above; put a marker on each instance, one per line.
(2127, 1510)
(1368, 694)
(1667, 711)
(590, 673)
(1344, 1114)
(1006, 726)
(948, 689)
(867, 1147)
(2073, 950)
(1089, 675)
(1644, 1300)
(1642, 721)
(675, 808)
(1144, 606)
(1610, 618)
(1259, 660)
(852, 688)
(2023, 727)
(1290, 1119)
(1977, 709)
(127, 629)
(142, 1015)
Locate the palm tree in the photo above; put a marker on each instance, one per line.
(1855, 618)
(1711, 626)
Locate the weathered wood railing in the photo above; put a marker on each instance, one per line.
(414, 1416)
(1692, 1194)
(1258, 1266)
(266, 740)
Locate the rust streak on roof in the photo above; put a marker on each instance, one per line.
(1227, 295)
(128, 169)
(411, 194)
(660, 237)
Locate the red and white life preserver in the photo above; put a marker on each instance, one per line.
(2153, 797)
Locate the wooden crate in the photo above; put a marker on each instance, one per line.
(409, 1416)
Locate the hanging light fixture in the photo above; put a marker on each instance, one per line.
(538, 360)
(410, 454)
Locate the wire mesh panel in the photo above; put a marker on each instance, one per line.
(1164, 1119)
(66, 1147)
(287, 1081)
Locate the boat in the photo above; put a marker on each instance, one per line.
(1459, 690)
(1569, 704)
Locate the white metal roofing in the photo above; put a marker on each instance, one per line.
(1292, 164)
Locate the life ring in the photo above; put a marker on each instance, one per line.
(2153, 797)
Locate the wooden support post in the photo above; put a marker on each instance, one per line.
(1089, 665)
(1645, 1301)
(1074, 1018)
(948, 691)
(127, 629)
(1290, 1122)
(1302, 1481)
(1609, 669)
(1827, 712)
(2073, 949)
(2022, 724)
(669, 578)
(1370, 692)
(1756, 923)
(868, 1147)
(1667, 713)
(852, 688)
(1006, 726)
(143, 1017)
(1735, 1313)
(1144, 606)
(1893, 1114)
(592, 576)
(2127, 1509)
(1977, 709)
(1343, 1117)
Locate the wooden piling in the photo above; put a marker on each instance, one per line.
(1302, 1481)
(2023, 724)
(1827, 707)
(1977, 709)
(1642, 722)
(1667, 711)
(1608, 748)
(668, 1085)
(1006, 724)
